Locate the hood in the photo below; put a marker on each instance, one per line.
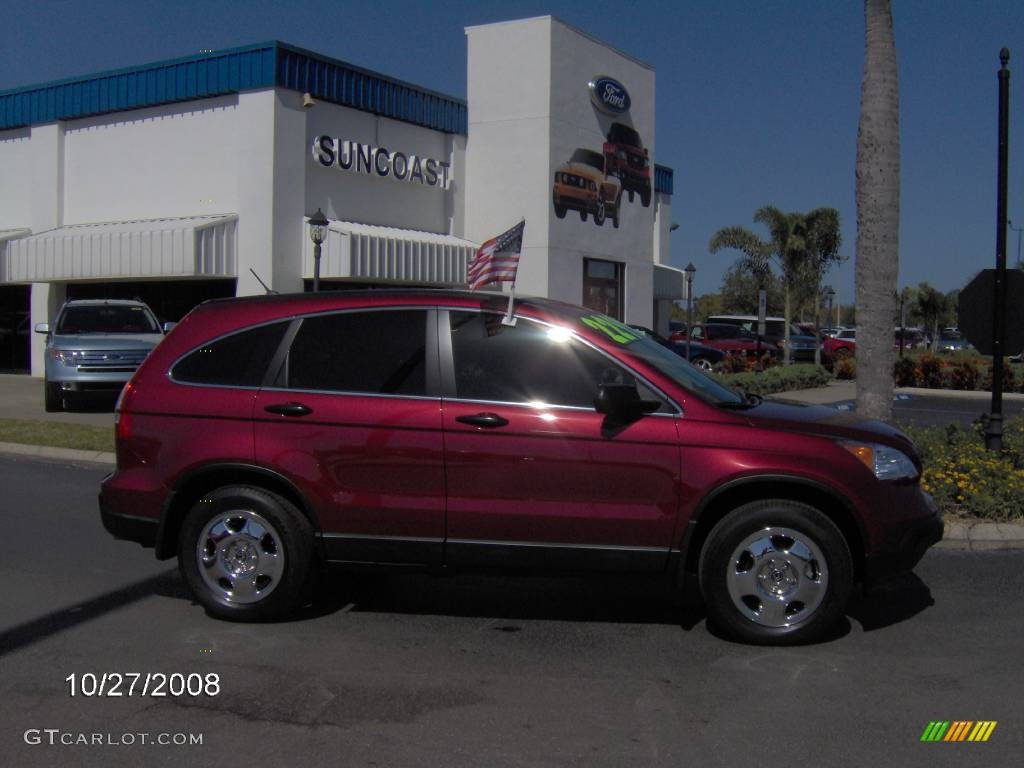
(105, 340)
(792, 416)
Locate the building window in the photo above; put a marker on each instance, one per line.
(602, 287)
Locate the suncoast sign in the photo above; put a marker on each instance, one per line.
(347, 155)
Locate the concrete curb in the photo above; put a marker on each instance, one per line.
(982, 536)
(968, 536)
(63, 454)
(956, 394)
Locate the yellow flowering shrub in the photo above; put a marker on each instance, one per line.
(967, 479)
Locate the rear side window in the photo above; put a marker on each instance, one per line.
(239, 360)
(371, 352)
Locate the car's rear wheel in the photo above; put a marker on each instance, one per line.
(247, 554)
(599, 212)
(775, 572)
(53, 400)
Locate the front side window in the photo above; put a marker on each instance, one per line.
(527, 363)
(239, 360)
(361, 352)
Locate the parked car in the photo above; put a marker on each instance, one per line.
(801, 346)
(912, 338)
(951, 340)
(701, 355)
(582, 185)
(95, 346)
(416, 428)
(626, 157)
(727, 338)
(843, 344)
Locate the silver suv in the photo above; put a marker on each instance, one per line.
(96, 345)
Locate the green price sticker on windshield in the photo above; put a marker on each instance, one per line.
(613, 329)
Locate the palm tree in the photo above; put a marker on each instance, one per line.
(878, 212)
(803, 244)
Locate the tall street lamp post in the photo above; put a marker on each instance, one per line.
(317, 232)
(690, 271)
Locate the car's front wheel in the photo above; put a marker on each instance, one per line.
(53, 400)
(247, 554)
(775, 572)
(703, 363)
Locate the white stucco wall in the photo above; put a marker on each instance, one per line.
(172, 160)
(529, 109)
(15, 171)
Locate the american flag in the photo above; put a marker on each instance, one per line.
(497, 260)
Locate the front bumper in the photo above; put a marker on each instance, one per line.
(920, 534)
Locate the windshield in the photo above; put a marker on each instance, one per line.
(107, 318)
(645, 349)
(588, 157)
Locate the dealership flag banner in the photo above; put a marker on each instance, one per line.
(497, 260)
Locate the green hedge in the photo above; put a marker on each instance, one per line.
(777, 379)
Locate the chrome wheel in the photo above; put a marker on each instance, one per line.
(704, 364)
(240, 557)
(777, 577)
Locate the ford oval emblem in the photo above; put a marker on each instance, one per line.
(609, 95)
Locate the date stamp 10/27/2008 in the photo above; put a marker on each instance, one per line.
(153, 684)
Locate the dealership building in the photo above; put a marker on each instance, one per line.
(184, 180)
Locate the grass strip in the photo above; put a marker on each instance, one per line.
(83, 437)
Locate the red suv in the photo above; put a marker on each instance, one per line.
(267, 436)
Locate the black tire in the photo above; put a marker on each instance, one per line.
(703, 363)
(559, 210)
(292, 539)
(53, 401)
(631, 195)
(583, 215)
(645, 198)
(615, 213)
(737, 586)
(599, 212)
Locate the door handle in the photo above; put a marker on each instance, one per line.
(289, 409)
(486, 420)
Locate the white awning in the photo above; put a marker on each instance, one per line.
(669, 282)
(195, 246)
(368, 252)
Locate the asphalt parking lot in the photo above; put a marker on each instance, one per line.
(416, 670)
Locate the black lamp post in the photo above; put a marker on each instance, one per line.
(317, 232)
(690, 271)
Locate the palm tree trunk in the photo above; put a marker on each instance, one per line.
(878, 211)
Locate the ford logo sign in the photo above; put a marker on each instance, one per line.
(609, 95)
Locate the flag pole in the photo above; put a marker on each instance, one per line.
(509, 319)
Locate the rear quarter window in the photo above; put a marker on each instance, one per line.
(238, 360)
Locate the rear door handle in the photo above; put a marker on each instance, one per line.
(486, 420)
(289, 409)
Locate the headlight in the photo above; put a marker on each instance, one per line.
(885, 462)
(67, 356)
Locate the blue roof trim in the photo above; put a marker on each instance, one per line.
(664, 181)
(237, 69)
(342, 83)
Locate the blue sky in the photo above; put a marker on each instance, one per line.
(757, 101)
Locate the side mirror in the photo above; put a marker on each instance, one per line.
(166, 327)
(623, 401)
(42, 328)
